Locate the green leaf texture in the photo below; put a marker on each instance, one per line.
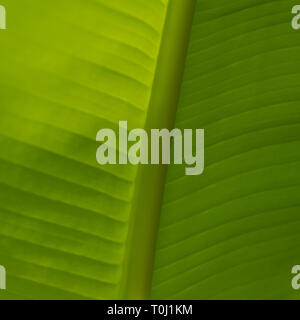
(68, 69)
(234, 232)
(71, 229)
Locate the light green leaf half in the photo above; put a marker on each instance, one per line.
(68, 69)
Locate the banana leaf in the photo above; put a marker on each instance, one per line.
(71, 229)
